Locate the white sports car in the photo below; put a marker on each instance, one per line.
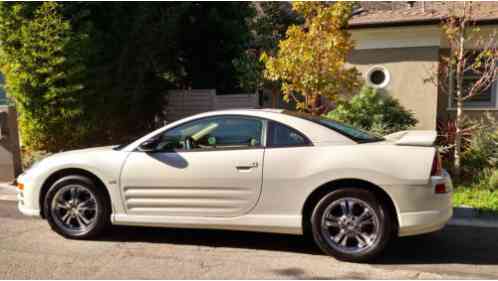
(256, 170)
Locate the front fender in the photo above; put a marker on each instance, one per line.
(105, 164)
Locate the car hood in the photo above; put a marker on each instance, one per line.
(74, 154)
(84, 150)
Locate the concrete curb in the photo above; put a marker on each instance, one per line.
(467, 216)
(474, 222)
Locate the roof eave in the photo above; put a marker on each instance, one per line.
(419, 22)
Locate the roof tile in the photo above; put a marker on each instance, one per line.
(405, 12)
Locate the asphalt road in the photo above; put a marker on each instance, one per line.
(29, 249)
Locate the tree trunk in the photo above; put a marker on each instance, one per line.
(314, 103)
(457, 165)
(274, 96)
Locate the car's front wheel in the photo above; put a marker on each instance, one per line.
(76, 208)
(351, 224)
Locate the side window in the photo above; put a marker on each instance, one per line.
(214, 133)
(284, 136)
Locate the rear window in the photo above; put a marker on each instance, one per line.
(349, 131)
(283, 136)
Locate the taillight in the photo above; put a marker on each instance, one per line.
(440, 188)
(437, 166)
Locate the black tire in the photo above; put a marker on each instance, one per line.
(100, 217)
(383, 229)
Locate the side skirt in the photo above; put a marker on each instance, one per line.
(284, 224)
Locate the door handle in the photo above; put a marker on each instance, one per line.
(247, 166)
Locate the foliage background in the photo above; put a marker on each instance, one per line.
(95, 73)
(311, 60)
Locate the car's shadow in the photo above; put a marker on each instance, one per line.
(454, 244)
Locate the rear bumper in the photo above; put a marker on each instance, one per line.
(424, 222)
(430, 210)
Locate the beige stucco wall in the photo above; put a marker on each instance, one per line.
(408, 69)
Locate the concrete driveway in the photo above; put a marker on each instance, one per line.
(29, 249)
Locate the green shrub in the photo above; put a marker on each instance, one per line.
(41, 58)
(485, 200)
(487, 179)
(31, 157)
(374, 111)
(481, 153)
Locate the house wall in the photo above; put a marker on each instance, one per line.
(409, 69)
(397, 37)
(410, 53)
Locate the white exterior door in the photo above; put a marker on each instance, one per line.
(210, 167)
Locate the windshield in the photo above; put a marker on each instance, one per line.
(349, 131)
(123, 145)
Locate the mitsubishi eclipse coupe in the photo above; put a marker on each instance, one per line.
(256, 170)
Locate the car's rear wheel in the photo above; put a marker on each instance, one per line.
(351, 224)
(76, 208)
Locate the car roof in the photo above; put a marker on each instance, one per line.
(315, 132)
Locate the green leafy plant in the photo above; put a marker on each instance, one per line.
(374, 111)
(31, 157)
(268, 27)
(469, 51)
(487, 179)
(86, 74)
(481, 153)
(311, 60)
(41, 58)
(485, 200)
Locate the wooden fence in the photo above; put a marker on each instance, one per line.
(185, 103)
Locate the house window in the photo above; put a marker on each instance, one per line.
(486, 99)
(378, 77)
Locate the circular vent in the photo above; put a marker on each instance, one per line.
(378, 77)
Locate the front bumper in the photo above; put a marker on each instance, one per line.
(430, 211)
(27, 200)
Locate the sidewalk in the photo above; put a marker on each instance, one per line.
(8, 192)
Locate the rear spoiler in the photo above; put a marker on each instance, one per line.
(415, 138)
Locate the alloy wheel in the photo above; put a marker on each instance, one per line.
(350, 225)
(74, 208)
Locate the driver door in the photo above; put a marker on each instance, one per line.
(207, 167)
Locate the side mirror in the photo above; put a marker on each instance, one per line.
(149, 145)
